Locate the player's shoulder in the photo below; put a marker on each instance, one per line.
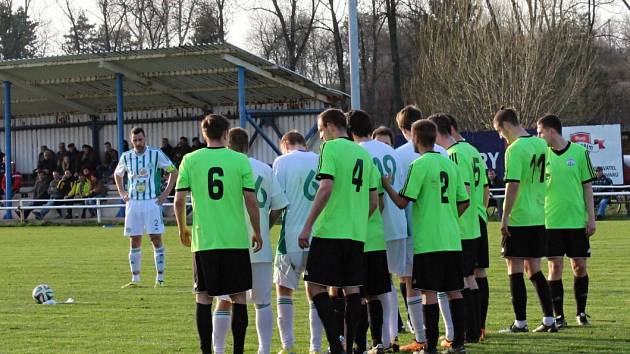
(577, 148)
(260, 166)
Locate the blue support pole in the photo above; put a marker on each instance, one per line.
(311, 132)
(242, 110)
(120, 113)
(264, 136)
(7, 146)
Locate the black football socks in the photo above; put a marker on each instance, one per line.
(352, 316)
(204, 327)
(239, 327)
(544, 294)
(431, 323)
(458, 314)
(557, 296)
(326, 312)
(519, 296)
(376, 321)
(484, 300)
(580, 289)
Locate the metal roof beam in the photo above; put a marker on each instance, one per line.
(51, 95)
(266, 74)
(154, 84)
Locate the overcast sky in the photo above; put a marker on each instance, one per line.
(55, 23)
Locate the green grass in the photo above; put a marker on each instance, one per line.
(90, 264)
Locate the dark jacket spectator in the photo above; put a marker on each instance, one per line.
(65, 184)
(110, 160)
(61, 152)
(181, 149)
(40, 192)
(48, 164)
(196, 144)
(66, 165)
(603, 201)
(167, 149)
(89, 158)
(53, 187)
(75, 158)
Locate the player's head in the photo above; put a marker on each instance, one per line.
(359, 124)
(384, 135)
(442, 122)
(454, 127)
(138, 138)
(292, 141)
(505, 122)
(331, 124)
(549, 128)
(214, 128)
(405, 119)
(238, 140)
(424, 133)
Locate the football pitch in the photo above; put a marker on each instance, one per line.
(89, 264)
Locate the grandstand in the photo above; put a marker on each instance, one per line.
(96, 98)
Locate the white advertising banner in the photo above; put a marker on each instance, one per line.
(604, 144)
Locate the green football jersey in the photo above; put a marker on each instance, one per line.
(435, 187)
(375, 239)
(350, 166)
(480, 178)
(566, 171)
(461, 154)
(216, 178)
(525, 164)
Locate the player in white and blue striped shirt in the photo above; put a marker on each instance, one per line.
(144, 200)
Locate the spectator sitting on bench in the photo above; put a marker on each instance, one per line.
(40, 192)
(602, 202)
(57, 189)
(97, 190)
(80, 189)
(16, 179)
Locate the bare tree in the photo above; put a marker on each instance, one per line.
(338, 43)
(392, 18)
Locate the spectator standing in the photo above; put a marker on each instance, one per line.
(48, 164)
(54, 193)
(75, 158)
(89, 158)
(80, 189)
(602, 202)
(61, 152)
(196, 144)
(110, 160)
(40, 192)
(495, 181)
(181, 149)
(167, 149)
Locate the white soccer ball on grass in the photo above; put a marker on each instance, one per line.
(42, 293)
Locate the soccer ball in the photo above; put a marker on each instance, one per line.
(42, 293)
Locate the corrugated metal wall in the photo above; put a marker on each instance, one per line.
(26, 143)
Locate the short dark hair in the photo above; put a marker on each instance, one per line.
(359, 123)
(599, 169)
(424, 131)
(442, 122)
(293, 138)
(334, 116)
(214, 126)
(407, 116)
(137, 130)
(453, 121)
(108, 143)
(506, 115)
(383, 130)
(238, 140)
(551, 121)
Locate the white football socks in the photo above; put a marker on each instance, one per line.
(285, 321)
(445, 309)
(387, 308)
(264, 327)
(221, 320)
(317, 328)
(158, 257)
(135, 261)
(393, 315)
(414, 305)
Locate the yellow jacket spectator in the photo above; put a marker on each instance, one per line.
(80, 188)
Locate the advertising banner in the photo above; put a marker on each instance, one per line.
(604, 144)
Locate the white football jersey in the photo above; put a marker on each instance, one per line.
(384, 157)
(296, 173)
(269, 196)
(144, 179)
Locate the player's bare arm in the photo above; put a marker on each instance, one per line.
(254, 216)
(321, 199)
(180, 216)
(486, 196)
(393, 194)
(590, 208)
(172, 180)
(511, 191)
(121, 189)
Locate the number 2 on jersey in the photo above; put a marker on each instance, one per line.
(357, 175)
(444, 182)
(215, 185)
